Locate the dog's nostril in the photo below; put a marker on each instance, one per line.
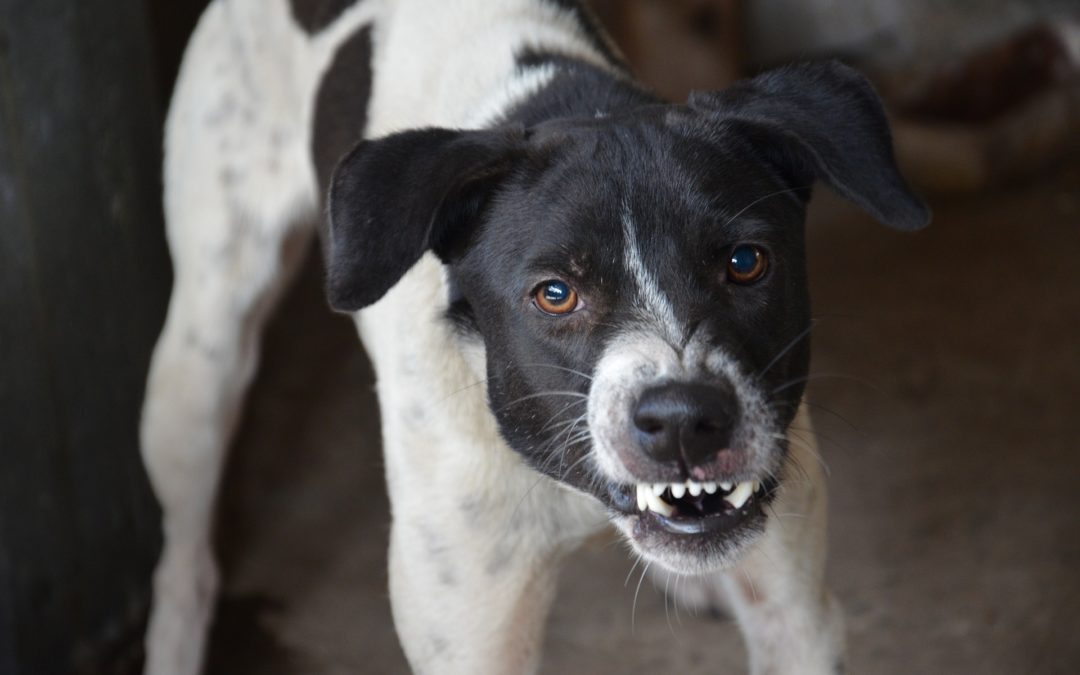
(648, 425)
(706, 427)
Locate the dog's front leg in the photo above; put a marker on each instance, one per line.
(474, 555)
(791, 623)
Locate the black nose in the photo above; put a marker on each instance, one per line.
(691, 422)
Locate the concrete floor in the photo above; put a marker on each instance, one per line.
(952, 441)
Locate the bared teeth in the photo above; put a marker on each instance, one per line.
(741, 493)
(650, 495)
(647, 499)
(660, 506)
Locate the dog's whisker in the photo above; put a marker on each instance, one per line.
(763, 198)
(570, 468)
(633, 608)
(815, 376)
(803, 334)
(563, 368)
(549, 425)
(637, 561)
(557, 426)
(811, 448)
(679, 578)
(667, 612)
(467, 387)
(817, 406)
(806, 445)
(750, 581)
(794, 461)
(541, 394)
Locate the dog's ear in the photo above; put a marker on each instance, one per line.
(822, 120)
(394, 198)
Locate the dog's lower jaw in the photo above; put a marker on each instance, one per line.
(695, 556)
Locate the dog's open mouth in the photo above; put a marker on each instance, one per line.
(699, 508)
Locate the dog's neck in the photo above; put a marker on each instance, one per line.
(576, 89)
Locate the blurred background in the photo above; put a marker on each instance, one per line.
(947, 386)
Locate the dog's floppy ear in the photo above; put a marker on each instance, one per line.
(394, 198)
(822, 120)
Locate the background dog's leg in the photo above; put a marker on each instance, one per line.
(790, 621)
(237, 178)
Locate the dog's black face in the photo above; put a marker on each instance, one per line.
(638, 281)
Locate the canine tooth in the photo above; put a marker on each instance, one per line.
(757, 486)
(740, 494)
(693, 488)
(660, 506)
(642, 499)
(658, 488)
(710, 487)
(725, 486)
(678, 490)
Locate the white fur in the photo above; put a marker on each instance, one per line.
(476, 535)
(640, 358)
(653, 304)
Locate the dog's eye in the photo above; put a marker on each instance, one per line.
(746, 264)
(555, 297)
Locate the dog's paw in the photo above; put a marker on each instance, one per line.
(185, 590)
(699, 595)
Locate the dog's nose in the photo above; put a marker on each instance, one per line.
(691, 421)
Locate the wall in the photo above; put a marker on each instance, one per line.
(885, 32)
(83, 283)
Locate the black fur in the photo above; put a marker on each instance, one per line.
(543, 196)
(315, 15)
(393, 199)
(341, 104)
(822, 121)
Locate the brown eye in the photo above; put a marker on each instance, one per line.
(555, 297)
(746, 264)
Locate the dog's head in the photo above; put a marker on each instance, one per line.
(638, 282)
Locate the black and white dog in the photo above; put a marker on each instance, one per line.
(583, 305)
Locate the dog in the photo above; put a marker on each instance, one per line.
(584, 306)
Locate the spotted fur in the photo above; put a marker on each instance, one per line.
(469, 129)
